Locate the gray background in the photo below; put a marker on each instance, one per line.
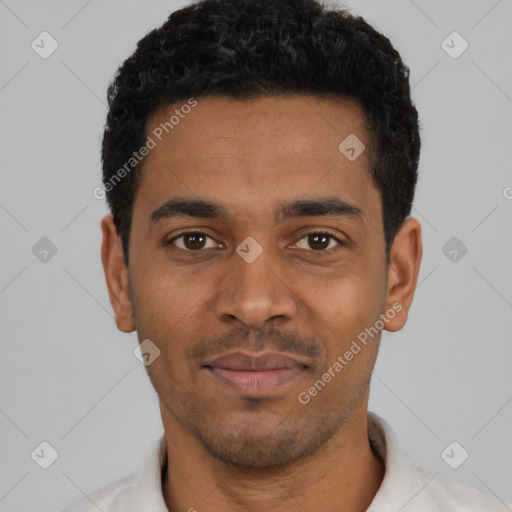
(68, 377)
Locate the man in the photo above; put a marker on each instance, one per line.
(260, 160)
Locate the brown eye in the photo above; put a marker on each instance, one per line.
(320, 241)
(191, 241)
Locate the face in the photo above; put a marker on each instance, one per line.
(253, 234)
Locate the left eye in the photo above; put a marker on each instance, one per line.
(320, 238)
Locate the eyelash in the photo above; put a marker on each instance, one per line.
(316, 232)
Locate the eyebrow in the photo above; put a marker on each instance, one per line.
(203, 209)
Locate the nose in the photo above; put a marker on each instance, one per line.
(255, 293)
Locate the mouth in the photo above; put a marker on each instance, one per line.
(255, 375)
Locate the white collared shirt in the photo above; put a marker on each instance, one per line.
(405, 487)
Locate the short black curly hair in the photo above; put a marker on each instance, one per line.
(256, 48)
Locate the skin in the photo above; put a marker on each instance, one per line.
(228, 452)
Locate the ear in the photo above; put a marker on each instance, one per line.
(116, 275)
(404, 265)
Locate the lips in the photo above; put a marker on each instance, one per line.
(244, 362)
(255, 375)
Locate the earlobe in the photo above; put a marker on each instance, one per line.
(404, 265)
(116, 275)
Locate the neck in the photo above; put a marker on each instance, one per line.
(343, 471)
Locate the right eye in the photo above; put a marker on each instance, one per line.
(193, 241)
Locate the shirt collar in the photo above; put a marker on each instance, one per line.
(402, 485)
(400, 488)
(146, 491)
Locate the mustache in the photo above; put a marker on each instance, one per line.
(290, 342)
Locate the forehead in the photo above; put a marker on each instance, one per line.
(250, 153)
(298, 124)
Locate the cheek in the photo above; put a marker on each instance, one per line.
(172, 315)
(164, 301)
(349, 303)
(344, 313)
